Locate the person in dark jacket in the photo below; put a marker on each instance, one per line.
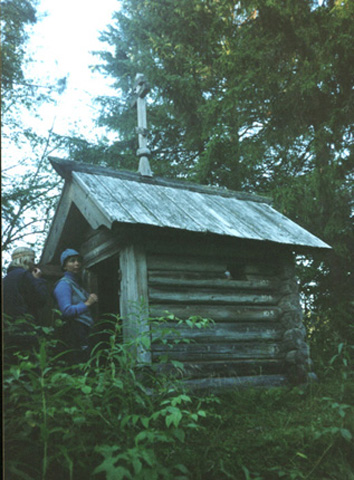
(74, 303)
(24, 293)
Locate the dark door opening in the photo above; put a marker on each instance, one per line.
(107, 278)
(107, 283)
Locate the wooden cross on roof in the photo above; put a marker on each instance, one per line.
(141, 89)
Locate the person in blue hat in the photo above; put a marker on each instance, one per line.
(74, 303)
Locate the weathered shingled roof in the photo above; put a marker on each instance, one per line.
(127, 197)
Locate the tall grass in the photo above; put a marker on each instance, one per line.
(114, 419)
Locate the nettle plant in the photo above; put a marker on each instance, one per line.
(108, 419)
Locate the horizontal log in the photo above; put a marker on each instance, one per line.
(187, 264)
(180, 274)
(236, 382)
(222, 369)
(183, 242)
(218, 332)
(201, 263)
(225, 313)
(261, 268)
(101, 252)
(203, 352)
(94, 238)
(217, 283)
(209, 297)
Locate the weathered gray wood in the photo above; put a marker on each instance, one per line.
(232, 351)
(94, 238)
(238, 382)
(98, 247)
(157, 264)
(65, 168)
(226, 314)
(84, 199)
(215, 246)
(182, 263)
(227, 368)
(217, 283)
(134, 299)
(210, 297)
(58, 224)
(294, 346)
(90, 281)
(218, 332)
(141, 90)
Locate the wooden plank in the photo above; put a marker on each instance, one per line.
(223, 369)
(188, 275)
(134, 299)
(217, 283)
(232, 272)
(210, 297)
(101, 252)
(218, 332)
(197, 214)
(122, 202)
(201, 352)
(101, 245)
(236, 382)
(186, 264)
(236, 215)
(158, 264)
(227, 313)
(90, 282)
(261, 268)
(58, 224)
(94, 238)
(167, 213)
(215, 246)
(93, 211)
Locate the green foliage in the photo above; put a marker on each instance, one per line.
(15, 16)
(114, 419)
(29, 188)
(27, 205)
(104, 407)
(252, 95)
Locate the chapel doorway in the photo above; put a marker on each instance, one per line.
(106, 284)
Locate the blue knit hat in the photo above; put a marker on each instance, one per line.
(69, 252)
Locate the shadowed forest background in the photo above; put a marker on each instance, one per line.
(254, 96)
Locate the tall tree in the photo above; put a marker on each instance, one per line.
(250, 94)
(16, 15)
(29, 189)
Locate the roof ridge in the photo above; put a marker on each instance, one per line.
(65, 168)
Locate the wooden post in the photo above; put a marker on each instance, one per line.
(134, 306)
(91, 285)
(141, 89)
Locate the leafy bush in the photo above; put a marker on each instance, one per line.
(109, 418)
(114, 419)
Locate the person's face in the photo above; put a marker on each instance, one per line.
(73, 264)
(30, 262)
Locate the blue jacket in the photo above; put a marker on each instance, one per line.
(23, 293)
(71, 297)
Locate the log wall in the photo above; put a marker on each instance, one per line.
(247, 289)
(252, 311)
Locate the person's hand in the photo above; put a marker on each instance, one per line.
(93, 298)
(37, 272)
